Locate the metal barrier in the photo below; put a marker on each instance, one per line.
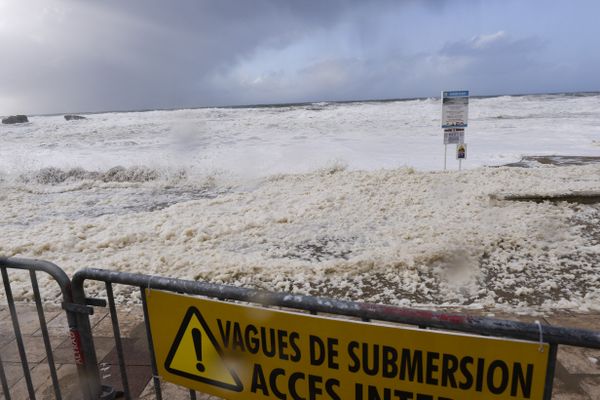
(76, 314)
(78, 310)
(552, 335)
(58, 275)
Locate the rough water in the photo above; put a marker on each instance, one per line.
(343, 200)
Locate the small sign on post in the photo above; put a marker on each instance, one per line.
(455, 109)
(454, 135)
(461, 151)
(455, 116)
(461, 154)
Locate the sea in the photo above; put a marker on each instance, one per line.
(346, 199)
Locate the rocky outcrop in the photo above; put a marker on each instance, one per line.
(73, 117)
(15, 119)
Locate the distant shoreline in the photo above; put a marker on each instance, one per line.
(308, 103)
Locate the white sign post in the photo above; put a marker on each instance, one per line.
(455, 116)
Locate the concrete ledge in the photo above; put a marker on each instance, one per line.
(583, 197)
(558, 160)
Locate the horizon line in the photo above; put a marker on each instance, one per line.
(301, 103)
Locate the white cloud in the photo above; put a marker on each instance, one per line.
(483, 41)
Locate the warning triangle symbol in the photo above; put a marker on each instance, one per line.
(195, 354)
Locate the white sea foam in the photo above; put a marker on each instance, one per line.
(254, 142)
(393, 236)
(313, 200)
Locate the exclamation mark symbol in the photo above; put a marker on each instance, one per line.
(197, 337)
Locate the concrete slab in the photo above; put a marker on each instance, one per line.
(579, 360)
(137, 359)
(34, 348)
(135, 351)
(174, 392)
(127, 323)
(581, 321)
(569, 396)
(40, 377)
(68, 381)
(14, 372)
(28, 322)
(591, 386)
(58, 325)
(63, 353)
(566, 384)
(137, 376)
(6, 336)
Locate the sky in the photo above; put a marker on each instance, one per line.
(97, 55)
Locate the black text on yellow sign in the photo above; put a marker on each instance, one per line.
(241, 352)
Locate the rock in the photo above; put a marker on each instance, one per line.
(72, 117)
(15, 119)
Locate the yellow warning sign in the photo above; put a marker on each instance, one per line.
(243, 352)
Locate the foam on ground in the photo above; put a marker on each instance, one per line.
(393, 236)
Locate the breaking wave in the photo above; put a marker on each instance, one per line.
(54, 176)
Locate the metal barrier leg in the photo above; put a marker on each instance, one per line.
(46, 337)
(19, 338)
(118, 341)
(89, 372)
(80, 347)
(155, 378)
(4, 381)
(551, 369)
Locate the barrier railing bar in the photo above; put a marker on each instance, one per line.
(18, 337)
(550, 373)
(155, 377)
(4, 381)
(45, 336)
(118, 342)
(437, 320)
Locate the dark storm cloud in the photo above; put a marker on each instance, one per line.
(499, 59)
(480, 61)
(68, 55)
(138, 54)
